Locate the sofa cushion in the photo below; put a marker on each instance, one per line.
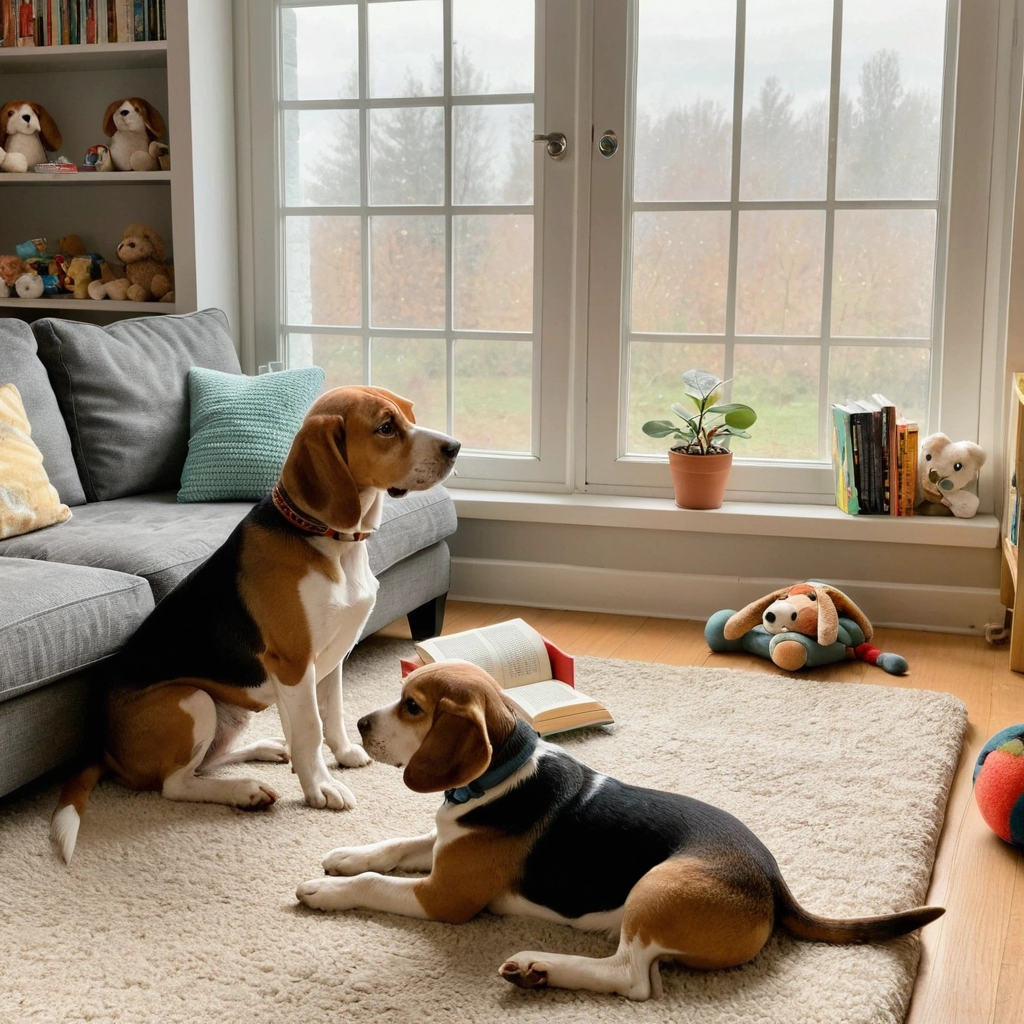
(20, 365)
(28, 501)
(123, 392)
(241, 429)
(55, 619)
(162, 540)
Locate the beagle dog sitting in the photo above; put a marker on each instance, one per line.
(266, 619)
(525, 828)
(28, 132)
(133, 125)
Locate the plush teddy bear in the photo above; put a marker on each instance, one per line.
(945, 468)
(807, 624)
(147, 277)
(27, 132)
(133, 125)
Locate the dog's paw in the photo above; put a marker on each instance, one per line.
(329, 793)
(250, 795)
(322, 894)
(271, 750)
(349, 860)
(524, 971)
(353, 756)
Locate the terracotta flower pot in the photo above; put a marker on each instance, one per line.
(699, 480)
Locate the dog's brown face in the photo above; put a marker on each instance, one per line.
(444, 727)
(23, 117)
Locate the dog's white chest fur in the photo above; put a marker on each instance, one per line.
(337, 610)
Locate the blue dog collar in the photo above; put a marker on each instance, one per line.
(518, 749)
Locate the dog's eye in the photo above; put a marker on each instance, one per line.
(958, 466)
(412, 707)
(813, 597)
(386, 429)
(928, 458)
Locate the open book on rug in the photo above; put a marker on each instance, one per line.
(537, 677)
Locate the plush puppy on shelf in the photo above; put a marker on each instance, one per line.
(28, 133)
(133, 126)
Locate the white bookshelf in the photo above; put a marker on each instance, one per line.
(189, 78)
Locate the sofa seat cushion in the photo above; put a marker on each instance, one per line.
(20, 365)
(123, 392)
(159, 538)
(55, 619)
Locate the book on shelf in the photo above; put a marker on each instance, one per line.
(73, 22)
(535, 675)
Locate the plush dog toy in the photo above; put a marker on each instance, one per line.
(147, 277)
(133, 126)
(945, 468)
(807, 624)
(27, 131)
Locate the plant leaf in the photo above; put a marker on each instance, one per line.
(660, 428)
(700, 383)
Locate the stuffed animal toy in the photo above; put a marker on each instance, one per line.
(29, 286)
(147, 277)
(999, 784)
(133, 125)
(945, 468)
(26, 131)
(805, 625)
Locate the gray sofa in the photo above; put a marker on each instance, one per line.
(108, 408)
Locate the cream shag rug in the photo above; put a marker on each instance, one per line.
(186, 912)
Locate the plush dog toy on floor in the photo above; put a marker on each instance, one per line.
(27, 132)
(807, 624)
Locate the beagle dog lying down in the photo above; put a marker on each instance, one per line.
(525, 828)
(266, 619)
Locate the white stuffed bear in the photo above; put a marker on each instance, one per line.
(944, 469)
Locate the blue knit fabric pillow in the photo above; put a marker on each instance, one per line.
(241, 429)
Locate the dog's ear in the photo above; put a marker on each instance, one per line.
(842, 606)
(454, 752)
(828, 617)
(5, 111)
(49, 133)
(404, 405)
(159, 248)
(747, 618)
(154, 122)
(316, 476)
(108, 119)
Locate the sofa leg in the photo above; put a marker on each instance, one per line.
(427, 620)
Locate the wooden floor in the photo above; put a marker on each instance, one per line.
(972, 968)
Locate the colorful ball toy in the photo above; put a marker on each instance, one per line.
(999, 784)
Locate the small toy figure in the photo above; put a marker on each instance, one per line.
(945, 468)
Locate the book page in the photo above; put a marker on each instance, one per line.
(513, 652)
(535, 698)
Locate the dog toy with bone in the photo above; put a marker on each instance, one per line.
(805, 625)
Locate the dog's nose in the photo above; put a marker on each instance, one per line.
(26, 118)
(450, 449)
(124, 113)
(363, 725)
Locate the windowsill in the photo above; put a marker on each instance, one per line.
(813, 522)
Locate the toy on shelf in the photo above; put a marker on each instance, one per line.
(27, 132)
(18, 278)
(999, 784)
(147, 277)
(805, 625)
(945, 468)
(133, 126)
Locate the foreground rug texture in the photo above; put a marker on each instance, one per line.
(186, 912)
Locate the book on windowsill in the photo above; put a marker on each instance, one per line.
(535, 675)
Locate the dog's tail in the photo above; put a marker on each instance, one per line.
(846, 931)
(68, 814)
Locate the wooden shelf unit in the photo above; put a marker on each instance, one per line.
(1009, 591)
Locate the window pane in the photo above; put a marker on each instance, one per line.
(321, 157)
(882, 273)
(786, 78)
(407, 279)
(340, 356)
(406, 50)
(901, 374)
(779, 272)
(493, 261)
(493, 394)
(415, 368)
(891, 102)
(684, 96)
(680, 272)
(492, 155)
(320, 53)
(498, 35)
(780, 383)
(655, 372)
(323, 271)
(406, 156)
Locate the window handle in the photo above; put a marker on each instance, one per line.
(557, 144)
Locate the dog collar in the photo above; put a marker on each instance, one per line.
(307, 523)
(518, 749)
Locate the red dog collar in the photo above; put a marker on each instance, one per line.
(306, 523)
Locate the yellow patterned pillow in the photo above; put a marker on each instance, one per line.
(28, 501)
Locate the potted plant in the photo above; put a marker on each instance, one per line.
(701, 461)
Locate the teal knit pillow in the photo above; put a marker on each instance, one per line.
(241, 429)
